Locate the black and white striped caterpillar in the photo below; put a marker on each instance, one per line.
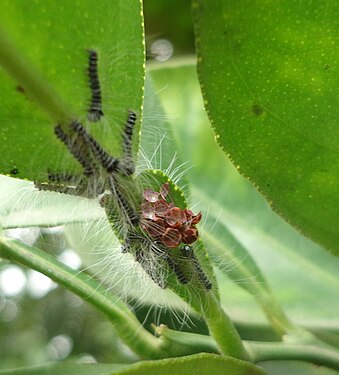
(94, 112)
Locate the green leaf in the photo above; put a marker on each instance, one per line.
(51, 40)
(189, 292)
(157, 146)
(268, 76)
(295, 368)
(302, 276)
(203, 363)
(189, 365)
(22, 205)
(68, 369)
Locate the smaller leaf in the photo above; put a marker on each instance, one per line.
(202, 364)
(175, 220)
(22, 205)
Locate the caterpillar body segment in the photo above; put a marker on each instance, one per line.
(94, 112)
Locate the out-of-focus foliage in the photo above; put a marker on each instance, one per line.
(172, 21)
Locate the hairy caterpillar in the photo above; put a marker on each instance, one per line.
(94, 112)
(148, 224)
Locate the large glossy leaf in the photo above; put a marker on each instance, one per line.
(302, 275)
(268, 76)
(191, 365)
(53, 38)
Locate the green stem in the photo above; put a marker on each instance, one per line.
(191, 342)
(221, 327)
(244, 267)
(317, 354)
(276, 315)
(35, 86)
(124, 322)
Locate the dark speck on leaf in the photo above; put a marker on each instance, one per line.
(257, 110)
(20, 89)
(14, 171)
